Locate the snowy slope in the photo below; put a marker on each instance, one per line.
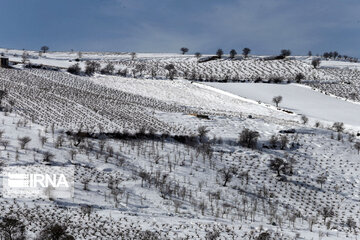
(175, 189)
(299, 99)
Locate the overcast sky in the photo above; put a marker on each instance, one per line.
(265, 26)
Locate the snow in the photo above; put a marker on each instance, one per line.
(227, 106)
(299, 99)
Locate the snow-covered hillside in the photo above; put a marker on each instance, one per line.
(178, 159)
(298, 99)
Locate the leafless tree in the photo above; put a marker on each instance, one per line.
(4, 143)
(246, 52)
(74, 69)
(202, 131)
(299, 77)
(338, 126)
(321, 180)
(85, 183)
(285, 52)
(316, 62)
(304, 119)
(23, 141)
(227, 174)
(184, 50)
(279, 165)
(326, 212)
(277, 100)
(91, 67)
(233, 53)
(248, 138)
(48, 156)
(219, 53)
(171, 71)
(44, 49)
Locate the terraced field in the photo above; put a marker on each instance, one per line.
(50, 97)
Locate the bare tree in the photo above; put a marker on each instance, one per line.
(171, 70)
(248, 138)
(85, 183)
(299, 77)
(304, 119)
(91, 67)
(44, 49)
(233, 53)
(277, 100)
(198, 55)
(74, 69)
(133, 55)
(285, 52)
(219, 53)
(5, 143)
(316, 62)
(321, 180)
(338, 126)
(279, 165)
(202, 131)
(246, 52)
(184, 50)
(227, 174)
(23, 141)
(326, 212)
(48, 156)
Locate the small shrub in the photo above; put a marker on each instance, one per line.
(74, 69)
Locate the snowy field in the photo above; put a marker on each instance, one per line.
(299, 99)
(165, 187)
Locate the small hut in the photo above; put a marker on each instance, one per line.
(4, 62)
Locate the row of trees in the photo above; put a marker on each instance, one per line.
(233, 53)
(335, 55)
(219, 53)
